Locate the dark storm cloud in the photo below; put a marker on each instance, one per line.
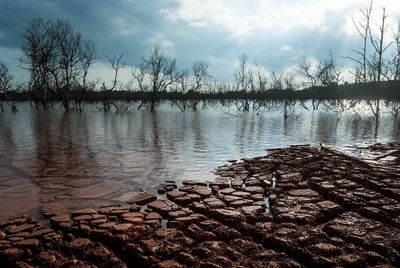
(217, 31)
(115, 26)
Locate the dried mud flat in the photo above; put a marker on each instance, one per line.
(295, 207)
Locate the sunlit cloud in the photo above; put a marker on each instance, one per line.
(160, 39)
(286, 48)
(274, 33)
(242, 18)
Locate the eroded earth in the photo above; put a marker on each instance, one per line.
(295, 207)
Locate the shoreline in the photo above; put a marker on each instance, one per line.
(296, 206)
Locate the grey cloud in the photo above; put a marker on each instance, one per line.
(128, 26)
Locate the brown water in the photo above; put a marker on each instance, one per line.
(73, 160)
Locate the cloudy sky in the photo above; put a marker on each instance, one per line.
(277, 34)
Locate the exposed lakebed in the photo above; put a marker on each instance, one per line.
(326, 209)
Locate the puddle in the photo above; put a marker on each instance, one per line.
(273, 181)
(164, 223)
(267, 204)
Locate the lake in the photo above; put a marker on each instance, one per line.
(61, 161)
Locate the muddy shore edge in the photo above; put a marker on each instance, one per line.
(294, 207)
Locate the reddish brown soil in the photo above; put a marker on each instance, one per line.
(295, 207)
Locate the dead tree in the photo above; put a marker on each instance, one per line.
(325, 73)
(284, 82)
(53, 53)
(39, 49)
(276, 81)
(156, 74)
(67, 57)
(182, 88)
(116, 65)
(261, 79)
(395, 65)
(5, 83)
(200, 77)
(86, 59)
(244, 80)
(378, 64)
(363, 29)
(311, 80)
(305, 69)
(379, 46)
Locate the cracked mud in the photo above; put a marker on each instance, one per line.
(295, 207)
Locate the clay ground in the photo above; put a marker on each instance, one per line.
(295, 207)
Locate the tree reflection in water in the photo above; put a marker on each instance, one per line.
(67, 160)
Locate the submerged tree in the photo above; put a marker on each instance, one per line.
(395, 64)
(116, 65)
(244, 80)
(325, 73)
(5, 83)
(200, 77)
(380, 48)
(396, 59)
(156, 74)
(372, 66)
(182, 89)
(243, 75)
(285, 83)
(86, 59)
(261, 78)
(54, 53)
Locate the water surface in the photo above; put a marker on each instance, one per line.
(72, 160)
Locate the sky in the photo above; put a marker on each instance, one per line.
(276, 34)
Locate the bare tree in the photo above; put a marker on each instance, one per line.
(243, 75)
(379, 46)
(87, 56)
(378, 64)
(395, 64)
(38, 49)
(289, 81)
(5, 78)
(328, 72)
(68, 56)
(156, 73)
(261, 79)
(181, 88)
(200, 77)
(305, 69)
(53, 55)
(244, 80)
(5, 83)
(324, 74)
(284, 82)
(276, 81)
(116, 65)
(86, 59)
(363, 29)
(200, 74)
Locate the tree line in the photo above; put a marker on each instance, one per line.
(58, 59)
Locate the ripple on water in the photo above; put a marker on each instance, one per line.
(75, 160)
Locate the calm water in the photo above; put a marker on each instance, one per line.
(62, 161)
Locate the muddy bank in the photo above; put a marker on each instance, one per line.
(295, 207)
